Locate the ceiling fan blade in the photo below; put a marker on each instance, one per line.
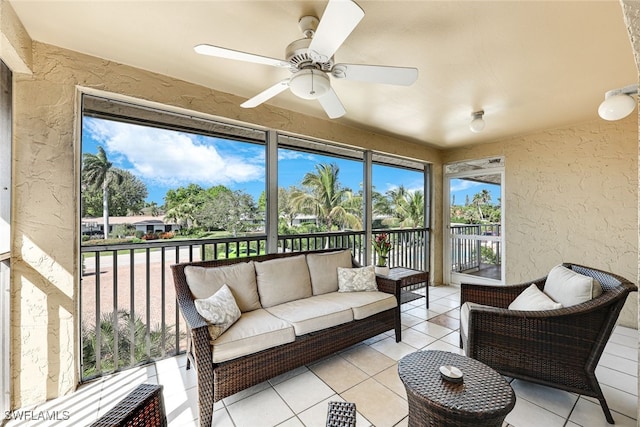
(221, 52)
(266, 94)
(338, 21)
(332, 105)
(403, 76)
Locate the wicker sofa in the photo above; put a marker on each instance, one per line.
(233, 362)
(559, 347)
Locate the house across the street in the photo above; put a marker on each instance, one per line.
(144, 223)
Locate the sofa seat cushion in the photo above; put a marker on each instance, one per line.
(323, 269)
(363, 304)
(241, 279)
(281, 280)
(255, 331)
(312, 314)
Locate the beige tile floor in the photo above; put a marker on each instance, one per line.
(365, 374)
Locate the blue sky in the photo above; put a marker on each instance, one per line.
(165, 159)
(461, 188)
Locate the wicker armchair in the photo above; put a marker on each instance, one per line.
(557, 348)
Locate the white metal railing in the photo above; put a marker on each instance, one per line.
(473, 245)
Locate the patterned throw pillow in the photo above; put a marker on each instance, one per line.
(220, 309)
(357, 279)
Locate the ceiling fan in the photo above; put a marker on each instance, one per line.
(310, 60)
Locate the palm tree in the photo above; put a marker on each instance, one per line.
(408, 207)
(98, 172)
(480, 199)
(183, 214)
(332, 204)
(413, 207)
(397, 196)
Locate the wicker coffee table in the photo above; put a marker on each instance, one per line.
(484, 398)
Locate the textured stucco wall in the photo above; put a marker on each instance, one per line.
(15, 43)
(47, 158)
(631, 12)
(570, 195)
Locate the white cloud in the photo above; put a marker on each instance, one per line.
(461, 185)
(287, 154)
(170, 157)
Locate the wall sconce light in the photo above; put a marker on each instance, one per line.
(618, 103)
(477, 122)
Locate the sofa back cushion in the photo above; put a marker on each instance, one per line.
(282, 280)
(569, 288)
(241, 279)
(323, 269)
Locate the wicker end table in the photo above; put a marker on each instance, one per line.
(401, 277)
(484, 398)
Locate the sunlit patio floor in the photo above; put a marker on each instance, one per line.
(365, 374)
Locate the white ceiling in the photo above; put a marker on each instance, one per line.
(530, 65)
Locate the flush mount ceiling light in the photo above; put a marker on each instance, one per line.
(477, 122)
(308, 84)
(618, 103)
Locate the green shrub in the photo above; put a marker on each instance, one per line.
(487, 255)
(123, 323)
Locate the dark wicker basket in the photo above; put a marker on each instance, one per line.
(143, 407)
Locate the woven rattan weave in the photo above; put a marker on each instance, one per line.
(341, 414)
(143, 407)
(483, 398)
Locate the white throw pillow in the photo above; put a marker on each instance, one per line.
(357, 279)
(220, 309)
(533, 299)
(570, 288)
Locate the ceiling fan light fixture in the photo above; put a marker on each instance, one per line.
(477, 122)
(309, 84)
(618, 103)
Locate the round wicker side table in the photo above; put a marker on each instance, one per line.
(484, 398)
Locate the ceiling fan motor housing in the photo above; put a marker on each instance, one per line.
(298, 55)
